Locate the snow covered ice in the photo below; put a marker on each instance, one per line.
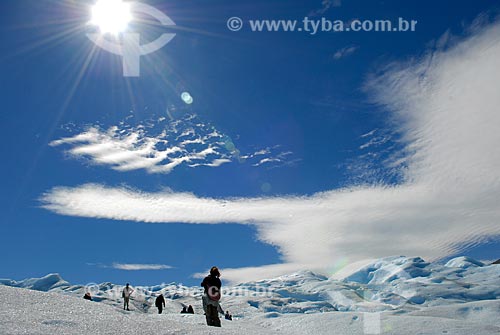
(396, 295)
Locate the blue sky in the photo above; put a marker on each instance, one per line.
(319, 159)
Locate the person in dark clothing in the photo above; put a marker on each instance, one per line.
(212, 285)
(160, 303)
(184, 310)
(228, 316)
(190, 309)
(212, 280)
(87, 296)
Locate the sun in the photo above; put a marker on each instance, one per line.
(111, 16)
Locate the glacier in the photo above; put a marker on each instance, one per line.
(393, 295)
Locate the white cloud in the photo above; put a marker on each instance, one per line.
(271, 158)
(267, 160)
(138, 267)
(157, 146)
(132, 266)
(214, 163)
(325, 6)
(374, 139)
(445, 106)
(345, 52)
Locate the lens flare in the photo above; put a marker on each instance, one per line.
(187, 98)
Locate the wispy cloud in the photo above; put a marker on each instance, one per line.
(445, 106)
(138, 267)
(158, 146)
(132, 267)
(345, 52)
(271, 159)
(381, 158)
(374, 138)
(325, 6)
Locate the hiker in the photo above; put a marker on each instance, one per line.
(184, 310)
(211, 297)
(126, 293)
(190, 309)
(160, 303)
(228, 316)
(87, 296)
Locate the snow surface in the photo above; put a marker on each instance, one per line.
(395, 295)
(463, 262)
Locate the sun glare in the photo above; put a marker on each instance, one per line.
(111, 16)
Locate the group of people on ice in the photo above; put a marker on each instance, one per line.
(210, 299)
(187, 310)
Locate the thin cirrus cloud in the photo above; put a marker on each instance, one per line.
(381, 157)
(139, 267)
(161, 145)
(345, 52)
(445, 108)
(326, 5)
(132, 266)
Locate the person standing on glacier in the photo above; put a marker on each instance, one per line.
(160, 303)
(211, 296)
(126, 293)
